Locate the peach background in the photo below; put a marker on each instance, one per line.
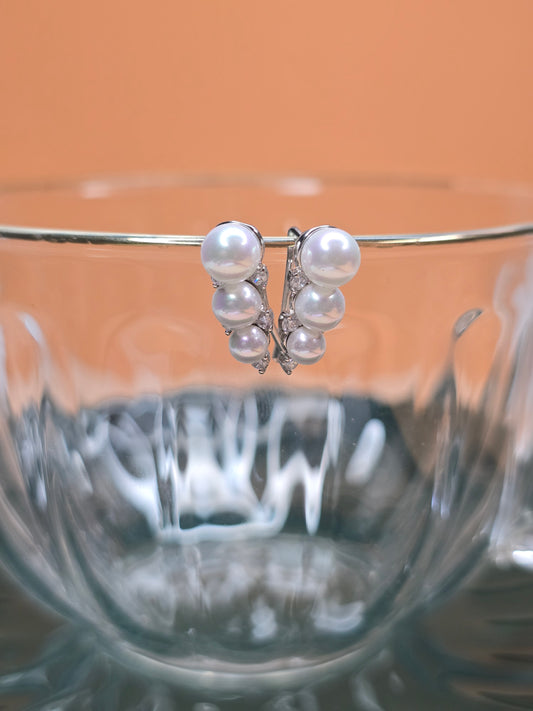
(439, 88)
(442, 87)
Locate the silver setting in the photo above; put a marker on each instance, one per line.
(295, 281)
(259, 279)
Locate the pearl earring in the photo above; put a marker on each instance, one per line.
(320, 260)
(232, 255)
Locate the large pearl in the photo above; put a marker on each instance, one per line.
(231, 252)
(248, 344)
(306, 346)
(319, 308)
(236, 305)
(330, 257)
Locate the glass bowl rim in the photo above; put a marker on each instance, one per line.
(137, 181)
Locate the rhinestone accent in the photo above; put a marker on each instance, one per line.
(260, 277)
(287, 363)
(297, 280)
(265, 320)
(288, 322)
(262, 365)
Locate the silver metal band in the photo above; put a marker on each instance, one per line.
(62, 236)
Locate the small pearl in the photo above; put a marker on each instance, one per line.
(248, 344)
(231, 252)
(306, 346)
(330, 257)
(236, 305)
(319, 308)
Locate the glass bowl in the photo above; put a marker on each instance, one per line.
(235, 531)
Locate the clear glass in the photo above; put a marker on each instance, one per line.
(231, 530)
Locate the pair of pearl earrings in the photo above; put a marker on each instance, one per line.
(319, 261)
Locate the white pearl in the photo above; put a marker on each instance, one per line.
(236, 305)
(330, 257)
(306, 346)
(231, 252)
(248, 344)
(319, 308)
